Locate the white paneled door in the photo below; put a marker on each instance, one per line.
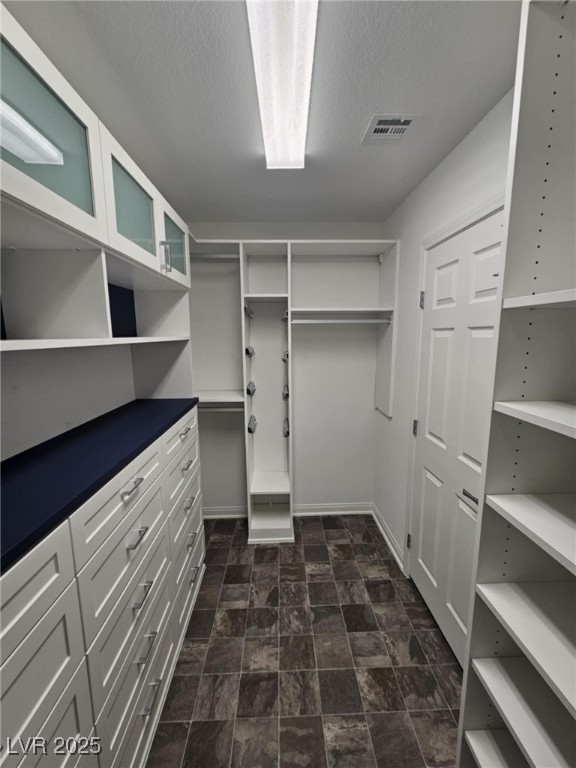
(462, 276)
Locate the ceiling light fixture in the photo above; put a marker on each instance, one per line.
(283, 33)
(24, 141)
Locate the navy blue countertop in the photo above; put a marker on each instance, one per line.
(45, 484)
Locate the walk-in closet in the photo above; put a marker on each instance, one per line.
(288, 384)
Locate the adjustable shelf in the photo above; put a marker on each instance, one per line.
(540, 618)
(547, 519)
(558, 417)
(494, 749)
(256, 297)
(25, 345)
(542, 727)
(223, 397)
(270, 483)
(563, 299)
(366, 315)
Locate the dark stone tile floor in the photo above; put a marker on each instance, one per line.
(318, 654)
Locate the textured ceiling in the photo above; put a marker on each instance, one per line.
(173, 81)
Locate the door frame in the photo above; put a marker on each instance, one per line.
(468, 220)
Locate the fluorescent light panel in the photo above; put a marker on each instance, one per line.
(24, 141)
(283, 33)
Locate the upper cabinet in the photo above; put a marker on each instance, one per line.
(58, 159)
(50, 145)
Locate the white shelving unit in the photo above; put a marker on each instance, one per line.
(557, 416)
(495, 749)
(519, 697)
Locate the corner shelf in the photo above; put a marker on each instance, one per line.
(557, 416)
(564, 299)
(270, 483)
(541, 726)
(540, 618)
(494, 749)
(25, 345)
(547, 519)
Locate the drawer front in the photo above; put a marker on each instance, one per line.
(38, 671)
(190, 553)
(95, 520)
(103, 580)
(111, 647)
(31, 586)
(180, 435)
(136, 746)
(71, 722)
(177, 476)
(185, 511)
(126, 691)
(189, 586)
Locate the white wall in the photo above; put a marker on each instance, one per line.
(470, 176)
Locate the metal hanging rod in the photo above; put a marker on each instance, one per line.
(341, 321)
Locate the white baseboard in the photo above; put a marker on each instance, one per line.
(364, 508)
(393, 545)
(214, 513)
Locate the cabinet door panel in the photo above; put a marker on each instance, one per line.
(37, 672)
(31, 586)
(50, 145)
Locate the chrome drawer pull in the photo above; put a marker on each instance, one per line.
(150, 636)
(195, 569)
(136, 482)
(186, 465)
(141, 533)
(184, 432)
(193, 539)
(189, 503)
(147, 711)
(146, 586)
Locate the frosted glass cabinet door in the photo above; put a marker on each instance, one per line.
(49, 139)
(131, 205)
(175, 246)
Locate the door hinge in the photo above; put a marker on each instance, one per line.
(422, 297)
(415, 427)
(408, 541)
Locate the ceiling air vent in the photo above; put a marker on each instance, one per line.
(388, 127)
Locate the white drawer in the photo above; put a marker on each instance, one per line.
(95, 520)
(71, 719)
(176, 476)
(184, 512)
(178, 436)
(32, 585)
(189, 555)
(189, 586)
(105, 577)
(134, 749)
(112, 644)
(35, 675)
(119, 706)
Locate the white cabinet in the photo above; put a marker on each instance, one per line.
(39, 669)
(141, 224)
(57, 171)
